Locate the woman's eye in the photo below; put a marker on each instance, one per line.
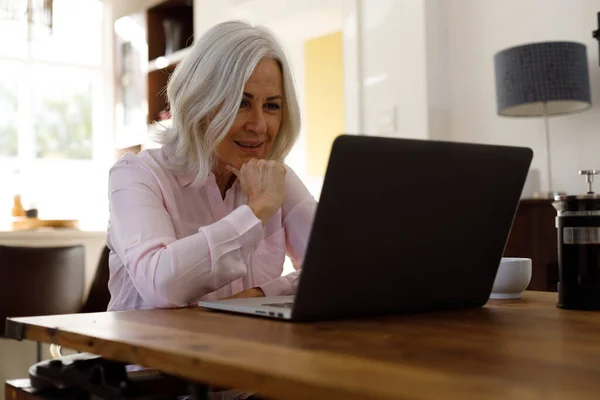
(272, 106)
(243, 103)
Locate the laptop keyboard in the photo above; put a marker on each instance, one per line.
(280, 305)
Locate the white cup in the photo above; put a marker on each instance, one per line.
(513, 277)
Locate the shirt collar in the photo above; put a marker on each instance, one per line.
(185, 178)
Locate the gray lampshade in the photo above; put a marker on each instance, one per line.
(551, 73)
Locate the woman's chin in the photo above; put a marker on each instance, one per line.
(249, 157)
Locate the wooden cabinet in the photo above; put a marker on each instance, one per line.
(534, 236)
(149, 44)
(170, 30)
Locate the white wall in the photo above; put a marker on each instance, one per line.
(464, 35)
(353, 69)
(433, 60)
(439, 84)
(393, 67)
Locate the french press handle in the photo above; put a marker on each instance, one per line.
(589, 177)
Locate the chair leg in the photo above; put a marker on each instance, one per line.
(39, 351)
(198, 391)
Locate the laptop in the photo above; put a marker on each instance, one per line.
(402, 226)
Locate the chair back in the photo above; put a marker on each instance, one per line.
(38, 281)
(99, 295)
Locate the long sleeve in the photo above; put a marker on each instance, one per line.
(298, 213)
(165, 271)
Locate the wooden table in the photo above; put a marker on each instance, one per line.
(515, 349)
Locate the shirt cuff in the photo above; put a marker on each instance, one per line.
(282, 286)
(277, 287)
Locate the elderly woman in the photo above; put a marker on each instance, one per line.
(213, 212)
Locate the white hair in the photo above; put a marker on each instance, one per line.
(205, 91)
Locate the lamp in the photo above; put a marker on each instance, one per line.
(37, 14)
(542, 79)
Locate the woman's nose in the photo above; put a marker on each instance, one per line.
(257, 123)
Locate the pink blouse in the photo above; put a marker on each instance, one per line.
(173, 244)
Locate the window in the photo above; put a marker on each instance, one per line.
(61, 111)
(54, 135)
(9, 102)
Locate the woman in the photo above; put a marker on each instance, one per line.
(212, 213)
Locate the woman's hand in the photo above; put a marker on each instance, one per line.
(263, 182)
(244, 294)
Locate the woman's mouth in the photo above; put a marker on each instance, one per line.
(248, 146)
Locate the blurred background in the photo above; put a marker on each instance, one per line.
(78, 94)
(82, 82)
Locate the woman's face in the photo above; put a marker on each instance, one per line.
(259, 117)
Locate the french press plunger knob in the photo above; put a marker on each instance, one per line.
(589, 177)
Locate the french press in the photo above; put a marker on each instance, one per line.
(578, 229)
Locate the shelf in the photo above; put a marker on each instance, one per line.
(170, 27)
(167, 30)
(167, 61)
(157, 99)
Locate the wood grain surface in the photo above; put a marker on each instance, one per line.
(510, 349)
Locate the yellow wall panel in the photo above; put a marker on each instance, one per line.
(324, 77)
